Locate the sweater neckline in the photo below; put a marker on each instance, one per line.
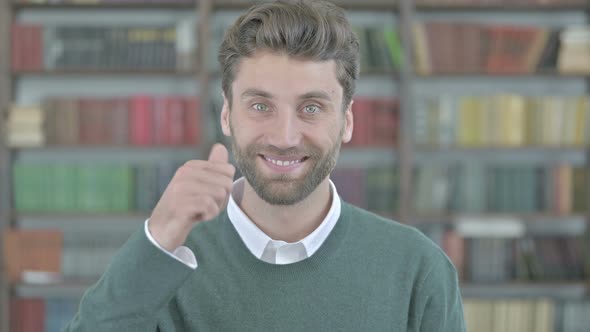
(237, 250)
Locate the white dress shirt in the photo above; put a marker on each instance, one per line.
(260, 244)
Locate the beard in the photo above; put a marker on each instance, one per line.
(283, 189)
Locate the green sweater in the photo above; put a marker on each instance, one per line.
(371, 274)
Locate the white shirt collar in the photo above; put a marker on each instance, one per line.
(256, 240)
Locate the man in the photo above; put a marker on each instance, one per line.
(276, 250)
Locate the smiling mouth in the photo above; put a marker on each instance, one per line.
(285, 161)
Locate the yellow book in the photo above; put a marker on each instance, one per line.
(465, 121)
(422, 52)
(513, 112)
(534, 117)
(582, 106)
(544, 316)
(484, 131)
(500, 318)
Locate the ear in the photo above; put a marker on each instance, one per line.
(225, 117)
(348, 123)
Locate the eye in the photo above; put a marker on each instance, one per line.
(260, 107)
(311, 109)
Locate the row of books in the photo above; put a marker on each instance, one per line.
(380, 48)
(539, 259)
(526, 315)
(26, 251)
(136, 120)
(35, 47)
(103, 188)
(475, 187)
(114, 187)
(86, 255)
(51, 255)
(440, 47)
(376, 122)
(499, 315)
(463, 187)
(502, 120)
(522, 315)
(462, 47)
(41, 315)
(375, 189)
(470, 187)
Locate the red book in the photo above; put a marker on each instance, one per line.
(511, 48)
(383, 127)
(469, 42)
(440, 43)
(454, 246)
(27, 315)
(160, 134)
(34, 318)
(362, 112)
(141, 120)
(26, 42)
(16, 47)
(175, 119)
(36, 50)
(92, 121)
(192, 125)
(16, 314)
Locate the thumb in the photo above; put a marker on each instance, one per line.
(219, 153)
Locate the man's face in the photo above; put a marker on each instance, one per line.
(286, 124)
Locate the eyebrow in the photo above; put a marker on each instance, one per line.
(316, 95)
(252, 92)
(256, 93)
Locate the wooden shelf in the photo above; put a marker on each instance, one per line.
(503, 155)
(107, 72)
(367, 157)
(560, 291)
(67, 288)
(107, 154)
(533, 224)
(131, 5)
(132, 215)
(83, 221)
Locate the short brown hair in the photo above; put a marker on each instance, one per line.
(314, 30)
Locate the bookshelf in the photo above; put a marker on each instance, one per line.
(488, 235)
(374, 165)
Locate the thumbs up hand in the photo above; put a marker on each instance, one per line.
(198, 191)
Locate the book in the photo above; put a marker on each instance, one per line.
(31, 250)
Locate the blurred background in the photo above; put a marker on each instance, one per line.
(472, 123)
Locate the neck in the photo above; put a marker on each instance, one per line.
(289, 223)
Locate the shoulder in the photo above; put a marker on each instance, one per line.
(395, 240)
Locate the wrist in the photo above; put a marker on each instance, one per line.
(169, 236)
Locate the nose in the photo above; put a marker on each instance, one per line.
(285, 131)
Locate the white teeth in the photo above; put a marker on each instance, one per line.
(283, 163)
